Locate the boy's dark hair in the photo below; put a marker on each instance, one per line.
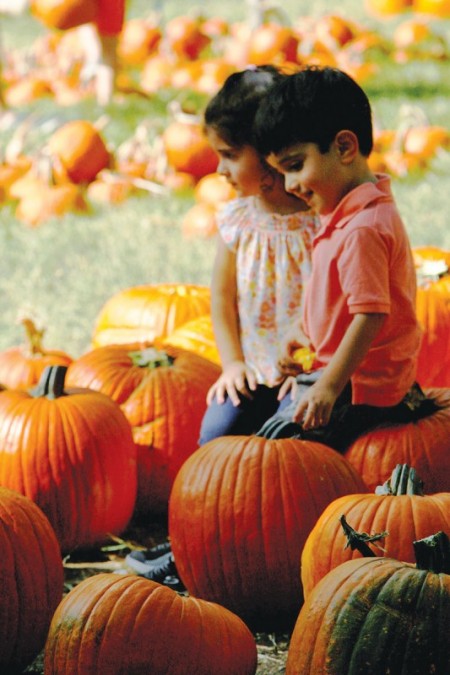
(231, 112)
(312, 106)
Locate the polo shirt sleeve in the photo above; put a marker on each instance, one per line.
(363, 268)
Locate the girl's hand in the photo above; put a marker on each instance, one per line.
(315, 406)
(236, 379)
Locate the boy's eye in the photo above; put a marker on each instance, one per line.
(294, 166)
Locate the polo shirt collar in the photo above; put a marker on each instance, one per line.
(354, 201)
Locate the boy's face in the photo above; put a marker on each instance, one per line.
(242, 167)
(311, 175)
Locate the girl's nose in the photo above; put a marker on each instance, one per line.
(291, 183)
(222, 168)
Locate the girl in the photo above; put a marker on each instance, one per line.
(261, 264)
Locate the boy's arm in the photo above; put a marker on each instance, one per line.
(236, 377)
(314, 408)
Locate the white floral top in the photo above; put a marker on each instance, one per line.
(273, 257)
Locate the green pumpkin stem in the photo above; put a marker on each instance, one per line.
(151, 358)
(51, 383)
(403, 481)
(433, 553)
(358, 540)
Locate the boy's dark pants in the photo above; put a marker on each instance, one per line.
(347, 421)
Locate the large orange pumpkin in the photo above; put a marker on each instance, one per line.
(31, 580)
(377, 615)
(110, 625)
(196, 336)
(163, 396)
(141, 314)
(240, 510)
(72, 453)
(424, 444)
(22, 366)
(399, 507)
(64, 14)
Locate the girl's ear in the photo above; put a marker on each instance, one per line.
(347, 145)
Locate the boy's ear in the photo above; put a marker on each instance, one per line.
(347, 145)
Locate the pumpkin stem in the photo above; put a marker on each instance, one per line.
(34, 336)
(151, 358)
(359, 540)
(51, 383)
(433, 553)
(403, 481)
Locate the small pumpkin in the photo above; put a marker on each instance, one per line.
(80, 149)
(72, 453)
(240, 511)
(31, 580)
(22, 366)
(377, 615)
(424, 444)
(163, 396)
(141, 314)
(399, 507)
(109, 625)
(187, 148)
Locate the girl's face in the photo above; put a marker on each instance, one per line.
(242, 167)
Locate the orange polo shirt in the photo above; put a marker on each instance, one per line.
(362, 263)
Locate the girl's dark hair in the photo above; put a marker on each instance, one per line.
(312, 106)
(231, 112)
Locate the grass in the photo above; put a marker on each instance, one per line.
(64, 271)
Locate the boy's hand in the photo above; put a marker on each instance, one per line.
(236, 380)
(315, 406)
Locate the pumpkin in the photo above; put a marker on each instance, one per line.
(31, 580)
(187, 148)
(80, 149)
(214, 189)
(140, 314)
(240, 511)
(110, 625)
(383, 8)
(199, 221)
(399, 507)
(43, 202)
(64, 14)
(377, 615)
(163, 396)
(271, 41)
(196, 336)
(436, 8)
(138, 39)
(433, 312)
(22, 366)
(72, 453)
(185, 37)
(424, 444)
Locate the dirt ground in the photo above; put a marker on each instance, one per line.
(272, 648)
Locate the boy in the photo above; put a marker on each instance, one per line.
(315, 127)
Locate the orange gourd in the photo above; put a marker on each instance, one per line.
(188, 149)
(72, 453)
(80, 149)
(163, 396)
(240, 511)
(31, 580)
(141, 314)
(22, 366)
(112, 625)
